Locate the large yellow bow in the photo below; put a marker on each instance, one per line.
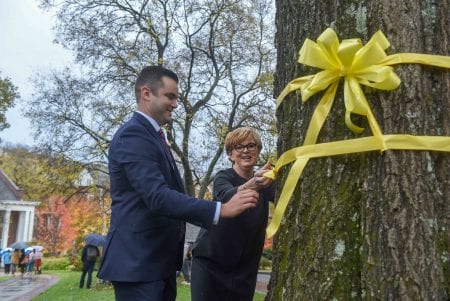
(359, 65)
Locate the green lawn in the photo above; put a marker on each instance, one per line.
(67, 289)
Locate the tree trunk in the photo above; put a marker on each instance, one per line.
(367, 226)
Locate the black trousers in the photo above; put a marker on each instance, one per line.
(161, 290)
(209, 282)
(88, 268)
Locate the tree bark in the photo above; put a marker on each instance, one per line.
(367, 226)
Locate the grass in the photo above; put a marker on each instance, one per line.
(66, 289)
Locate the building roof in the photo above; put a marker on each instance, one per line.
(8, 189)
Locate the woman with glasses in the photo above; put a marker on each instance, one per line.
(226, 257)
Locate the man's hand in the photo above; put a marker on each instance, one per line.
(240, 202)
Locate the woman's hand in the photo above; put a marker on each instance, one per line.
(258, 181)
(261, 181)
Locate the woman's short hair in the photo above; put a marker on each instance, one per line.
(239, 135)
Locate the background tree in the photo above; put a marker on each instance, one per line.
(74, 199)
(84, 218)
(367, 226)
(222, 51)
(8, 94)
(52, 225)
(39, 174)
(62, 224)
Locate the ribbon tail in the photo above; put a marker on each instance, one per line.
(292, 86)
(320, 114)
(355, 102)
(376, 131)
(417, 58)
(372, 143)
(409, 142)
(286, 194)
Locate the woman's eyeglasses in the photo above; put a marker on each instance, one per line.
(250, 147)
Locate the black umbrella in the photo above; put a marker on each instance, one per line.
(95, 239)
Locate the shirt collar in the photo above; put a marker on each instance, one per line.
(155, 124)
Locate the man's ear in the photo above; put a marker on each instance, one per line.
(145, 91)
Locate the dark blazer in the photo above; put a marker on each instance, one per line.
(234, 242)
(145, 240)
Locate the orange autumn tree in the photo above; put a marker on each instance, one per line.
(62, 224)
(51, 218)
(85, 218)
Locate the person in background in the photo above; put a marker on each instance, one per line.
(38, 262)
(187, 262)
(89, 256)
(30, 265)
(15, 260)
(7, 257)
(23, 262)
(226, 258)
(144, 245)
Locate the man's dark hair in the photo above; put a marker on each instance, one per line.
(151, 76)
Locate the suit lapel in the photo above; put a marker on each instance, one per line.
(154, 135)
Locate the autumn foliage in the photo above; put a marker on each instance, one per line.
(61, 224)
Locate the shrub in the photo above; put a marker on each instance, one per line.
(267, 253)
(265, 264)
(55, 263)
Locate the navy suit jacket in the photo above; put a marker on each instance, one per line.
(144, 242)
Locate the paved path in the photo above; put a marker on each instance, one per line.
(262, 280)
(25, 288)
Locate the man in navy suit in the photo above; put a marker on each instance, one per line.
(144, 245)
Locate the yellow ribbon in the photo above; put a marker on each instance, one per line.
(359, 65)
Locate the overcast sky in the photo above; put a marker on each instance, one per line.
(26, 46)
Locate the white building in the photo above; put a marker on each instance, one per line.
(16, 215)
